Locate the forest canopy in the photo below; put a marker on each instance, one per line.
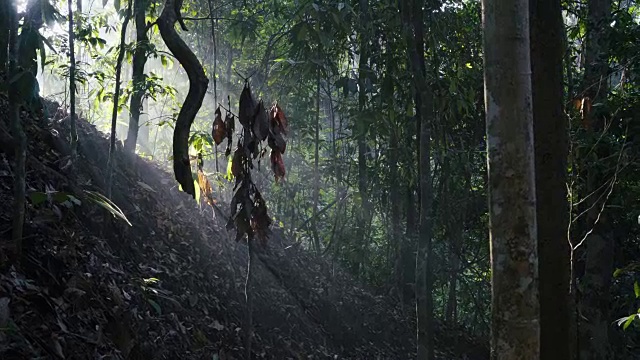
(402, 119)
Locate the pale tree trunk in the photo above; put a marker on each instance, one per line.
(551, 152)
(515, 328)
(423, 95)
(594, 306)
(137, 77)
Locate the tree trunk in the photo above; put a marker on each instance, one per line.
(363, 181)
(595, 304)
(456, 225)
(17, 131)
(515, 328)
(316, 171)
(413, 23)
(6, 12)
(397, 239)
(72, 83)
(213, 23)
(551, 152)
(198, 83)
(137, 77)
(116, 98)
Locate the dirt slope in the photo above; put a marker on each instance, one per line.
(171, 286)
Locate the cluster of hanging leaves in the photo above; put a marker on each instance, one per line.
(248, 207)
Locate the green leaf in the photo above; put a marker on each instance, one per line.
(617, 273)
(628, 322)
(38, 197)
(155, 306)
(636, 289)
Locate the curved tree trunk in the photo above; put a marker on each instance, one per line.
(198, 83)
(515, 328)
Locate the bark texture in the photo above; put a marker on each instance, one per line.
(198, 83)
(137, 77)
(20, 138)
(551, 151)
(72, 83)
(595, 302)
(515, 327)
(423, 97)
(116, 98)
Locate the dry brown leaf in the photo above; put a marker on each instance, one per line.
(277, 164)
(218, 131)
(205, 187)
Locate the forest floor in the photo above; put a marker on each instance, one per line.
(171, 285)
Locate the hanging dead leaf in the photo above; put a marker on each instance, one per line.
(218, 131)
(277, 118)
(277, 164)
(260, 220)
(237, 163)
(247, 107)
(261, 122)
(242, 226)
(276, 140)
(229, 124)
(205, 187)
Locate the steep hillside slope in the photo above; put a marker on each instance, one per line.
(171, 285)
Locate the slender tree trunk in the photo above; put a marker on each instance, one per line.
(397, 239)
(363, 181)
(248, 293)
(215, 66)
(515, 328)
(19, 136)
(414, 32)
(5, 32)
(72, 83)
(456, 225)
(116, 98)
(551, 152)
(316, 171)
(137, 76)
(595, 304)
